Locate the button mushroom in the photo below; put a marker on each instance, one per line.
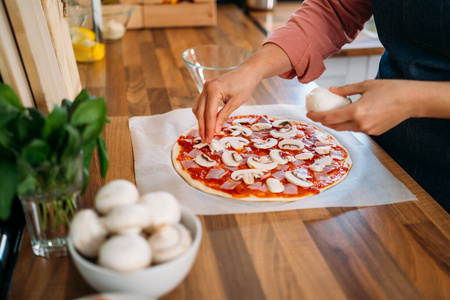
(247, 175)
(215, 146)
(116, 193)
(323, 150)
(238, 129)
(261, 126)
(87, 232)
(243, 121)
(130, 219)
(321, 163)
(298, 179)
(125, 253)
(234, 142)
(284, 132)
(198, 143)
(264, 144)
(261, 162)
(205, 161)
(275, 154)
(304, 156)
(169, 241)
(291, 144)
(231, 158)
(163, 208)
(274, 185)
(281, 123)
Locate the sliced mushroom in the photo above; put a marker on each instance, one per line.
(198, 143)
(264, 144)
(234, 142)
(130, 219)
(116, 193)
(274, 185)
(261, 162)
(238, 129)
(298, 179)
(231, 158)
(247, 175)
(284, 132)
(215, 146)
(87, 232)
(261, 126)
(304, 156)
(125, 253)
(291, 144)
(243, 121)
(281, 123)
(323, 150)
(205, 161)
(275, 154)
(321, 163)
(169, 241)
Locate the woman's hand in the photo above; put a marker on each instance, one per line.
(384, 104)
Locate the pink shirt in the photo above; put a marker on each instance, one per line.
(317, 30)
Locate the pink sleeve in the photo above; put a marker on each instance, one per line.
(317, 30)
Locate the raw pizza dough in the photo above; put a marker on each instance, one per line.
(318, 138)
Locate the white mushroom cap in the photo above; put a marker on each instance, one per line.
(116, 193)
(247, 175)
(304, 156)
(291, 144)
(298, 179)
(274, 185)
(205, 161)
(321, 163)
(239, 129)
(261, 126)
(129, 219)
(231, 158)
(87, 232)
(125, 253)
(163, 208)
(281, 123)
(264, 144)
(284, 132)
(321, 99)
(323, 150)
(261, 162)
(275, 154)
(234, 142)
(243, 120)
(169, 241)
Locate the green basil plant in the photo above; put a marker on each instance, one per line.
(29, 140)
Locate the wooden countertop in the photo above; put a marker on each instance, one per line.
(366, 43)
(398, 251)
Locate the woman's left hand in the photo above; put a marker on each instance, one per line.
(383, 104)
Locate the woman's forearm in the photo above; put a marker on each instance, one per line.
(430, 99)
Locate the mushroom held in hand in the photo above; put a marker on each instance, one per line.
(129, 219)
(321, 99)
(125, 253)
(87, 232)
(116, 193)
(163, 208)
(169, 242)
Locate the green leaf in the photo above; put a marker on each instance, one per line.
(55, 122)
(87, 153)
(9, 98)
(9, 179)
(27, 186)
(37, 151)
(90, 118)
(73, 144)
(103, 156)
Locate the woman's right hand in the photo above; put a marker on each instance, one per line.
(235, 88)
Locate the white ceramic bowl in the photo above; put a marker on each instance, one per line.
(154, 281)
(209, 61)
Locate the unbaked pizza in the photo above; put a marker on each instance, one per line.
(262, 158)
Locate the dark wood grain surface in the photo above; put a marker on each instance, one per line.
(397, 251)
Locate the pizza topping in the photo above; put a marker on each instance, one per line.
(281, 123)
(187, 164)
(205, 161)
(198, 143)
(261, 126)
(319, 164)
(247, 175)
(264, 144)
(231, 158)
(234, 142)
(215, 146)
(304, 156)
(291, 144)
(194, 153)
(284, 132)
(275, 155)
(279, 175)
(298, 179)
(261, 162)
(229, 185)
(215, 173)
(243, 121)
(238, 129)
(323, 150)
(274, 185)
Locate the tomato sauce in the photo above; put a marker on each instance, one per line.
(241, 190)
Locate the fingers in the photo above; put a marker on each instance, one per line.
(349, 89)
(199, 111)
(332, 117)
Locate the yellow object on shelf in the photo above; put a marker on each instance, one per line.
(84, 45)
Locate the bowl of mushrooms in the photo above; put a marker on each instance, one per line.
(131, 243)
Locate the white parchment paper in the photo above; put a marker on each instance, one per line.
(368, 182)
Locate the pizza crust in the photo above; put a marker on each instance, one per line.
(200, 186)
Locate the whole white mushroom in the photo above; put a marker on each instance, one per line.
(87, 232)
(125, 253)
(321, 99)
(169, 241)
(163, 208)
(128, 219)
(114, 194)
